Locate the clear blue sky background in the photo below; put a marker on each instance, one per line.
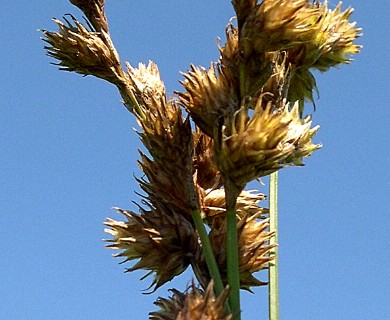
(68, 154)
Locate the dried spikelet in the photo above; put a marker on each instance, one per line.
(230, 53)
(278, 24)
(164, 189)
(335, 38)
(252, 147)
(148, 88)
(164, 242)
(313, 35)
(206, 172)
(209, 94)
(168, 138)
(192, 304)
(94, 11)
(253, 246)
(214, 205)
(80, 50)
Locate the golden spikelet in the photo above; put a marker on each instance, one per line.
(209, 94)
(80, 50)
(335, 39)
(164, 242)
(147, 86)
(253, 246)
(192, 304)
(214, 205)
(168, 139)
(313, 35)
(94, 11)
(252, 147)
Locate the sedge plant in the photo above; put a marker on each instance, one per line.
(244, 119)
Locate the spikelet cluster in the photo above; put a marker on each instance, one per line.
(248, 110)
(194, 303)
(256, 146)
(81, 50)
(163, 242)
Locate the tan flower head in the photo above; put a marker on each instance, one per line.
(94, 11)
(194, 304)
(209, 94)
(253, 246)
(230, 52)
(278, 24)
(313, 35)
(214, 205)
(164, 242)
(252, 147)
(168, 139)
(146, 83)
(81, 51)
(335, 39)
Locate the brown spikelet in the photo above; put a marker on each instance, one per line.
(209, 94)
(214, 205)
(324, 36)
(253, 246)
(252, 147)
(194, 304)
(83, 51)
(94, 11)
(164, 242)
(168, 139)
(206, 172)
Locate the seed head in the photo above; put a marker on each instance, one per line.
(313, 35)
(253, 246)
(209, 94)
(252, 147)
(194, 303)
(163, 242)
(94, 11)
(80, 50)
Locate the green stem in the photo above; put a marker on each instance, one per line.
(273, 287)
(233, 270)
(208, 252)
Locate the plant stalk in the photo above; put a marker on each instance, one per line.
(208, 252)
(233, 270)
(273, 286)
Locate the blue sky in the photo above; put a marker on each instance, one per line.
(68, 154)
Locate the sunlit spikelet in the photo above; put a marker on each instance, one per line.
(253, 246)
(194, 303)
(213, 204)
(313, 35)
(335, 39)
(94, 11)
(167, 190)
(147, 86)
(278, 24)
(209, 94)
(164, 242)
(168, 139)
(254, 146)
(80, 50)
